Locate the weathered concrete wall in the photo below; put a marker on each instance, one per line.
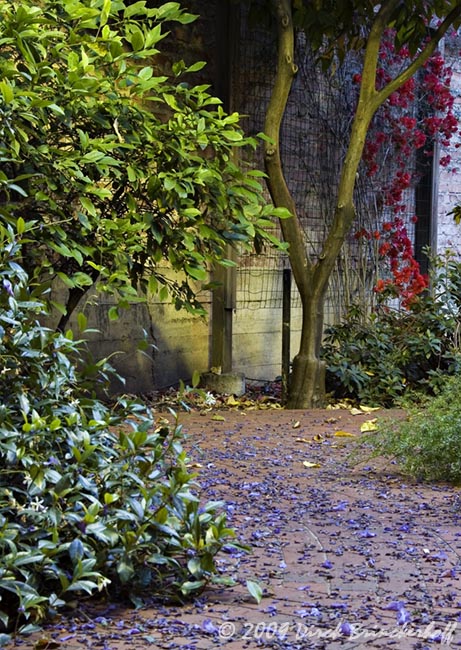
(257, 341)
(152, 345)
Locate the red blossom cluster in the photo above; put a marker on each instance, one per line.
(401, 129)
(407, 281)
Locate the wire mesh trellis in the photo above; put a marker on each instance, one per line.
(314, 137)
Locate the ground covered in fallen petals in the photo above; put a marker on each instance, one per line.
(348, 557)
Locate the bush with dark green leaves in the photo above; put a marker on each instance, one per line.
(390, 354)
(427, 443)
(92, 497)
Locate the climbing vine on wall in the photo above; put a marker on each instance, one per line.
(415, 117)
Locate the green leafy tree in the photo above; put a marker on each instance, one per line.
(334, 29)
(128, 173)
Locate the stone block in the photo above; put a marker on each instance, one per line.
(228, 383)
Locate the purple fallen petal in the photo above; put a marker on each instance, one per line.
(449, 573)
(367, 533)
(403, 616)
(302, 613)
(327, 564)
(345, 628)
(209, 627)
(395, 605)
(441, 555)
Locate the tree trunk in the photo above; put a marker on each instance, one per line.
(307, 386)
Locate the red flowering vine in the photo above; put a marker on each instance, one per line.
(399, 131)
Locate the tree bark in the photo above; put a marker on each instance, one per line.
(307, 384)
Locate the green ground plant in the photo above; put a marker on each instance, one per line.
(92, 497)
(393, 354)
(427, 443)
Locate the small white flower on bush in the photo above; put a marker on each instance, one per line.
(210, 399)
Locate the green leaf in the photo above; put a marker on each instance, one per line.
(193, 586)
(20, 226)
(195, 67)
(93, 156)
(105, 13)
(196, 272)
(137, 8)
(83, 585)
(82, 321)
(233, 136)
(255, 590)
(125, 571)
(194, 567)
(136, 39)
(113, 313)
(56, 109)
(7, 91)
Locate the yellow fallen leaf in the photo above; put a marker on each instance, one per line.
(296, 424)
(344, 404)
(306, 463)
(344, 434)
(369, 425)
(318, 438)
(218, 418)
(302, 440)
(46, 644)
(368, 409)
(231, 401)
(354, 411)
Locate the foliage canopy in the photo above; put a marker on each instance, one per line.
(128, 170)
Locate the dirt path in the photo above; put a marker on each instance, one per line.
(348, 558)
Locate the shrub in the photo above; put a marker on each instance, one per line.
(382, 357)
(89, 494)
(128, 167)
(427, 444)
